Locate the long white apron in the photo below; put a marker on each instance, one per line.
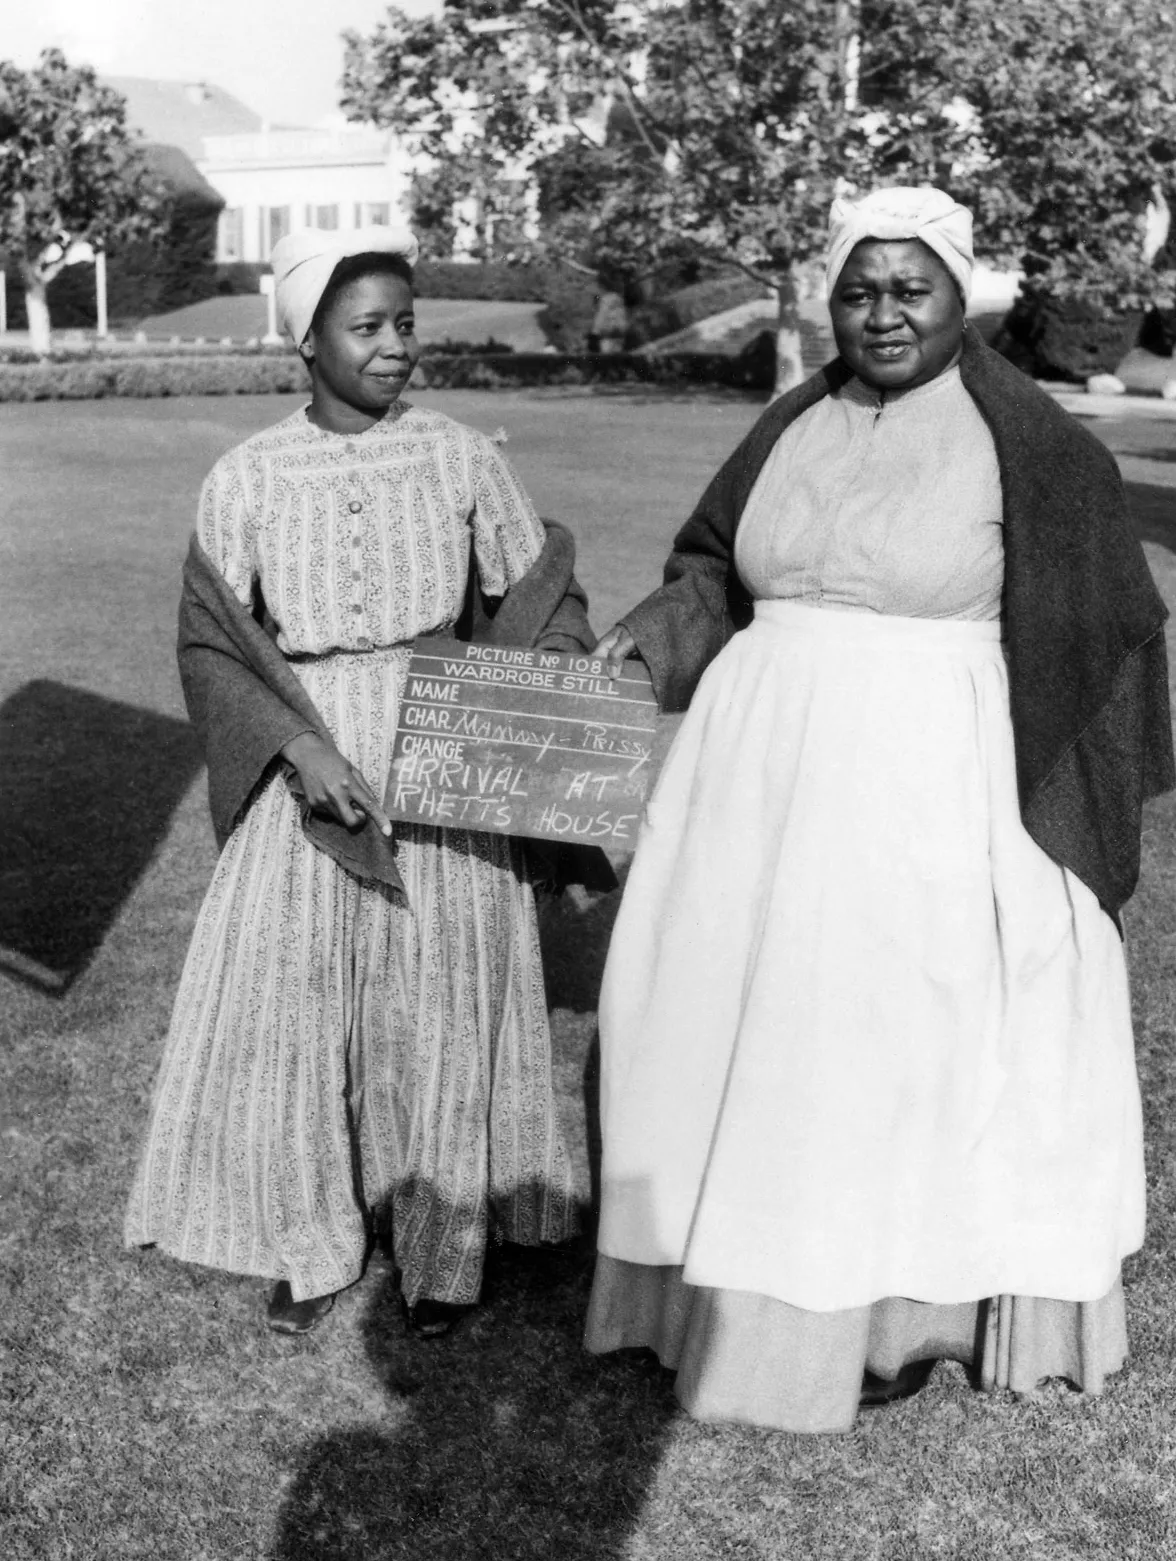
(861, 1037)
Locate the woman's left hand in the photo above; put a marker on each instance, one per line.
(615, 647)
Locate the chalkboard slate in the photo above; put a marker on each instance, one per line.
(523, 742)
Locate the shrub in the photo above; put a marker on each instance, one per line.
(234, 277)
(569, 313)
(94, 378)
(464, 349)
(492, 280)
(750, 370)
(1158, 332)
(1066, 338)
(686, 306)
(65, 351)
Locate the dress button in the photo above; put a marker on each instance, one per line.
(355, 506)
(355, 607)
(356, 575)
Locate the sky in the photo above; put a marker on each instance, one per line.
(282, 58)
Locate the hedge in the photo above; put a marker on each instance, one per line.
(748, 371)
(465, 349)
(94, 378)
(491, 280)
(678, 310)
(124, 348)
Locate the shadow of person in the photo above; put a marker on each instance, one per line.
(513, 1441)
(87, 789)
(574, 936)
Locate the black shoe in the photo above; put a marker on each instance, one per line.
(877, 1391)
(286, 1315)
(432, 1319)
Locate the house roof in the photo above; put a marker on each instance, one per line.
(182, 113)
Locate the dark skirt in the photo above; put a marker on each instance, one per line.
(749, 1358)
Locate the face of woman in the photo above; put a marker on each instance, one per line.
(897, 317)
(363, 354)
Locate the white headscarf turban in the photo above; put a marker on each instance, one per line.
(902, 212)
(303, 263)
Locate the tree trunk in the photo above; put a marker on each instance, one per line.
(789, 368)
(37, 308)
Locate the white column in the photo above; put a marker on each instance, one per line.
(271, 337)
(100, 289)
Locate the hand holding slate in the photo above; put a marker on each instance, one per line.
(615, 647)
(331, 784)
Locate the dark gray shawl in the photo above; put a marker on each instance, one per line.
(246, 703)
(1082, 619)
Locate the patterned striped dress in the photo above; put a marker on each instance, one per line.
(338, 1058)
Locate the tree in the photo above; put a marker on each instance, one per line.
(69, 173)
(1053, 118)
(735, 113)
(1076, 100)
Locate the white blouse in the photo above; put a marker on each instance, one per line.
(890, 504)
(363, 541)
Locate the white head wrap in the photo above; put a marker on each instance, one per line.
(303, 263)
(902, 212)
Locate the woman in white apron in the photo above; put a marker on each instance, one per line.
(869, 1094)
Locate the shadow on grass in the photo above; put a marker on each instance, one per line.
(513, 1442)
(87, 790)
(1154, 511)
(574, 942)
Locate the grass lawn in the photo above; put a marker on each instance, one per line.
(145, 1411)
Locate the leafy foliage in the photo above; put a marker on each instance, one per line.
(1077, 101)
(720, 129)
(69, 169)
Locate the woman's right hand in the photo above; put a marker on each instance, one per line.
(616, 646)
(332, 784)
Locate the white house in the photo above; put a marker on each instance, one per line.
(275, 182)
(273, 179)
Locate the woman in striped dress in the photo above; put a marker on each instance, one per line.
(342, 1056)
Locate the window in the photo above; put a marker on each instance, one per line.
(375, 214)
(230, 238)
(325, 217)
(275, 225)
